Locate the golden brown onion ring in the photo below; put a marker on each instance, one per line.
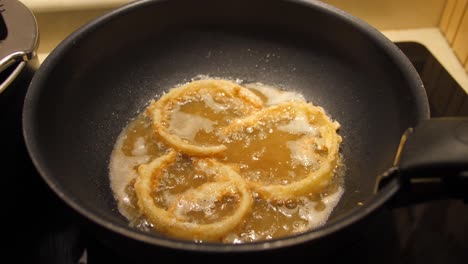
(169, 222)
(317, 180)
(157, 110)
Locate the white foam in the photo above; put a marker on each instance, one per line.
(187, 125)
(204, 204)
(216, 107)
(275, 96)
(139, 149)
(122, 172)
(299, 125)
(302, 152)
(316, 218)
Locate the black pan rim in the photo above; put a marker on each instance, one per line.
(39, 80)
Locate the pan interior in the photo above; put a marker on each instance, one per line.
(100, 78)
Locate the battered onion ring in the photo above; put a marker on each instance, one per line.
(158, 108)
(317, 180)
(170, 223)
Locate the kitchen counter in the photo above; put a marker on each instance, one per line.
(436, 43)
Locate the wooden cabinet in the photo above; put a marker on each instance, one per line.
(454, 25)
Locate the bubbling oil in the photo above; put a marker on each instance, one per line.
(269, 153)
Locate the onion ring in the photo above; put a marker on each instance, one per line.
(243, 100)
(169, 221)
(316, 180)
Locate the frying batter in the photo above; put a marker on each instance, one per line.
(213, 160)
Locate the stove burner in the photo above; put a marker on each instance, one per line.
(428, 233)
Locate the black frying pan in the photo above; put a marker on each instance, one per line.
(101, 76)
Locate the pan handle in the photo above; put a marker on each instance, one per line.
(432, 161)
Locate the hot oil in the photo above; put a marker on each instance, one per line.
(273, 219)
(137, 144)
(207, 210)
(199, 119)
(262, 154)
(186, 176)
(140, 139)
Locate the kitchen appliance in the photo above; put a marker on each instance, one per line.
(430, 233)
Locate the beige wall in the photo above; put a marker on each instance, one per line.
(382, 14)
(394, 14)
(55, 26)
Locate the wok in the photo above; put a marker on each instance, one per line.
(102, 75)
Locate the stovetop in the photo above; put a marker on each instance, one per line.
(435, 232)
